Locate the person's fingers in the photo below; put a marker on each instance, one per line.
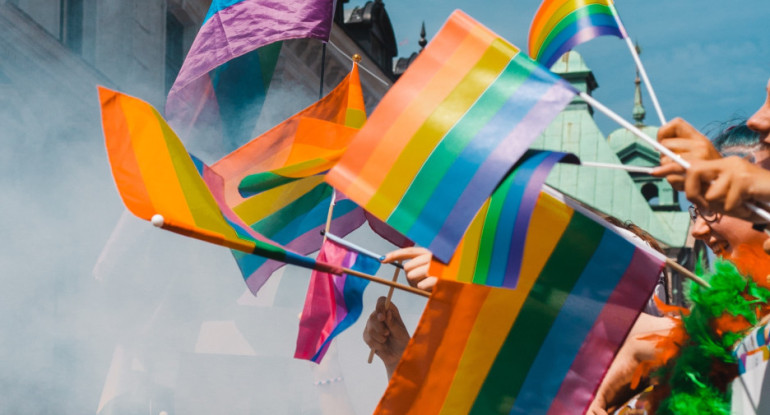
(394, 313)
(734, 202)
(676, 128)
(667, 169)
(693, 184)
(417, 262)
(373, 334)
(405, 254)
(380, 306)
(766, 247)
(716, 191)
(678, 145)
(427, 284)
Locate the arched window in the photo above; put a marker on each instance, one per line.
(650, 193)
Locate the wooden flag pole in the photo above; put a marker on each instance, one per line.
(686, 272)
(387, 304)
(389, 283)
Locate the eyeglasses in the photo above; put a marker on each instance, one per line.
(707, 215)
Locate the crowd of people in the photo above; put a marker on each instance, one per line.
(727, 182)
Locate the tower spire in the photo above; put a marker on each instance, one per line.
(423, 41)
(639, 112)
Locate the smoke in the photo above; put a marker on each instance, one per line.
(101, 312)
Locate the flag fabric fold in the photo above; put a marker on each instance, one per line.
(275, 182)
(155, 175)
(560, 25)
(333, 302)
(221, 86)
(492, 249)
(542, 347)
(447, 132)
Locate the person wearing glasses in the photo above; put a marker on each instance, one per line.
(724, 233)
(726, 184)
(721, 233)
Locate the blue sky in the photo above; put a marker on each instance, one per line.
(708, 60)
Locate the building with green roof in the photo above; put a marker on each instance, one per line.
(649, 202)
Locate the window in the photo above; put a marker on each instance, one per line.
(174, 48)
(71, 27)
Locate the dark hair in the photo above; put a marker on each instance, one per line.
(636, 230)
(737, 139)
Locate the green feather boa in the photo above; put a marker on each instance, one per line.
(699, 377)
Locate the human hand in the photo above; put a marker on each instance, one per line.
(684, 140)
(615, 388)
(416, 266)
(727, 185)
(386, 334)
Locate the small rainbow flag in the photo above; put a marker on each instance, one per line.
(275, 182)
(560, 25)
(222, 84)
(492, 249)
(541, 348)
(156, 176)
(333, 303)
(444, 136)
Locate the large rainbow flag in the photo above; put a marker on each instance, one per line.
(541, 348)
(275, 181)
(560, 25)
(444, 136)
(220, 89)
(333, 302)
(156, 176)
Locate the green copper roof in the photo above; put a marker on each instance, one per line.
(610, 191)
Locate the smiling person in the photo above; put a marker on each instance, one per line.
(724, 233)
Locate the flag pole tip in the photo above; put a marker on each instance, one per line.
(157, 220)
(356, 58)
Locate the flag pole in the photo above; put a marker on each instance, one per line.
(323, 69)
(160, 222)
(686, 272)
(387, 304)
(642, 71)
(630, 169)
(764, 214)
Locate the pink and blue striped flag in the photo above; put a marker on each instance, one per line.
(449, 130)
(221, 86)
(333, 302)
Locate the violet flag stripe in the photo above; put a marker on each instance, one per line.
(488, 175)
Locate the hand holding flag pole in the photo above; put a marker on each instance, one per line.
(387, 304)
(764, 214)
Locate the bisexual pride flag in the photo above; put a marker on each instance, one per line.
(333, 302)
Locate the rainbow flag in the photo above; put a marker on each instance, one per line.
(221, 86)
(156, 176)
(560, 25)
(444, 136)
(275, 182)
(333, 303)
(493, 247)
(541, 348)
